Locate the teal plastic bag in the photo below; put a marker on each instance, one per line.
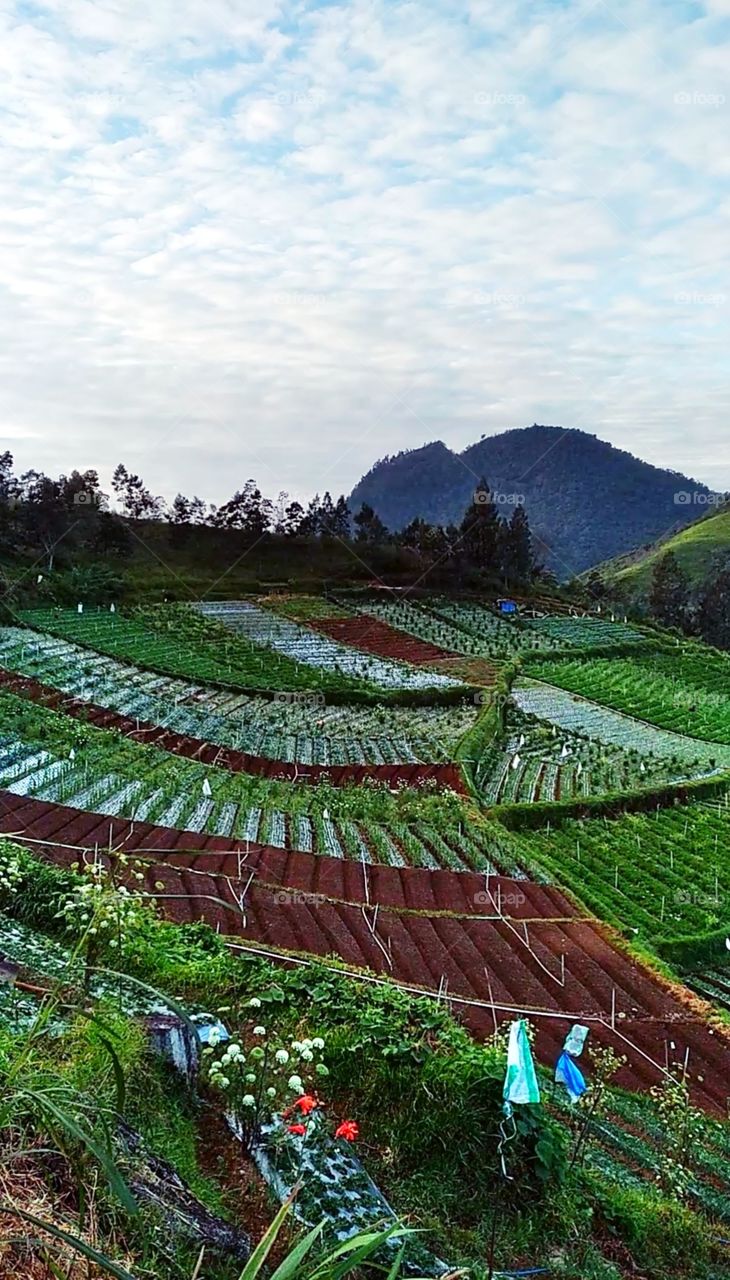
(520, 1082)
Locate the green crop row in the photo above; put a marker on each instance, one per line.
(177, 641)
(685, 693)
(662, 876)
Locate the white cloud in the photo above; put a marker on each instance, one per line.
(257, 238)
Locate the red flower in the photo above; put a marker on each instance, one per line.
(306, 1103)
(299, 1129)
(348, 1130)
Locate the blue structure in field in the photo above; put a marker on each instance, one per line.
(507, 606)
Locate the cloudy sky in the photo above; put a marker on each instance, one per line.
(250, 237)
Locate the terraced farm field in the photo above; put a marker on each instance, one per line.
(494, 949)
(262, 653)
(568, 753)
(47, 755)
(281, 738)
(661, 752)
(427, 626)
(269, 631)
(663, 875)
(687, 692)
(290, 728)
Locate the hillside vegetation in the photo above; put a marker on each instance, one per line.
(695, 547)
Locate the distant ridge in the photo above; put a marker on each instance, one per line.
(587, 500)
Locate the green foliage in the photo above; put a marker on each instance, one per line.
(668, 1238)
(669, 596)
(684, 689)
(665, 875)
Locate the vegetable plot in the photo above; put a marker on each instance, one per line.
(539, 762)
(483, 960)
(50, 757)
(585, 633)
(267, 630)
(291, 729)
(663, 875)
(687, 692)
(688, 757)
(171, 650)
(496, 637)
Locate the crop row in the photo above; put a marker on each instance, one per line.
(688, 757)
(712, 984)
(477, 630)
(629, 1143)
(537, 761)
(50, 757)
(496, 637)
(174, 649)
(662, 875)
(271, 631)
(177, 640)
(584, 633)
(688, 695)
(420, 622)
(288, 729)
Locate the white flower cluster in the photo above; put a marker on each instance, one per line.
(101, 908)
(262, 1078)
(10, 872)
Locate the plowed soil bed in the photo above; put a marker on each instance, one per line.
(299, 903)
(373, 636)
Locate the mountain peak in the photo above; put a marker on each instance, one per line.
(587, 500)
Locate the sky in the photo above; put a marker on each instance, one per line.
(282, 240)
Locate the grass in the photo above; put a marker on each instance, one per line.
(695, 547)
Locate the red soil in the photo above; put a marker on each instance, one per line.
(301, 903)
(339, 775)
(373, 636)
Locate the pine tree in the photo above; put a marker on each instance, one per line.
(180, 510)
(311, 525)
(517, 557)
(136, 499)
(327, 516)
(480, 530)
(341, 518)
(370, 527)
(669, 595)
(713, 616)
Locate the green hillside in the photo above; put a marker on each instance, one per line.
(695, 548)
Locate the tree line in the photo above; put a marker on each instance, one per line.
(704, 612)
(39, 513)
